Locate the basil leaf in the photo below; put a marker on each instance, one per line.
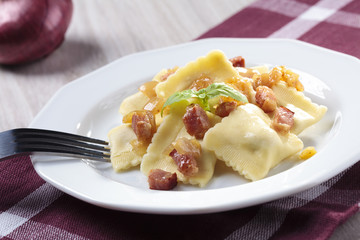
(221, 89)
(177, 97)
(214, 90)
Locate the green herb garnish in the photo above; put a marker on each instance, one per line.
(203, 95)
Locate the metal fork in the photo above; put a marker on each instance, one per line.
(28, 140)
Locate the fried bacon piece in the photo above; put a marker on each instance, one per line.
(266, 99)
(196, 121)
(161, 180)
(225, 108)
(143, 124)
(237, 61)
(187, 165)
(185, 154)
(283, 120)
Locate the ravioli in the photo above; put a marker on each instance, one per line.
(245, 141)
(215, 65)
(134, 102)
(164, 136)
(306, 112)
(123, 154)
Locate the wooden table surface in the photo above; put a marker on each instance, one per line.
(103, 31)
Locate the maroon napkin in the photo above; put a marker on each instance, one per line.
(33, 209)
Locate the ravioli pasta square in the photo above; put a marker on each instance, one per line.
(123, 154)
(214, 66)
(245, 141)
(307, 113)
(132, 103)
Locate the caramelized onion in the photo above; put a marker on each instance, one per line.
(200, 83)
(154, 105)
(188, 146)
(148, 89)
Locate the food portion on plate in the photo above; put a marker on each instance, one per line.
(213, 109)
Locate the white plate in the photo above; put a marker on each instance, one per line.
(89, 106)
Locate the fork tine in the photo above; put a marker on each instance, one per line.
(75, 151)
(61, 141)
(56, 134)
(27, 140)
(47, 136)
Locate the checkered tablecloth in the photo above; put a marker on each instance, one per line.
(33, 209)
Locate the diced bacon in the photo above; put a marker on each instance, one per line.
(225, 108)
(185, 153)
(143, 124)
(237, 61)
(283, 120)
(161, 180)
(186, 163)
(196, 121)
(266, 99)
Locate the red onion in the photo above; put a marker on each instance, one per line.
(32, 29)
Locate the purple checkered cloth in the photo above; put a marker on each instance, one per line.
(33, 209)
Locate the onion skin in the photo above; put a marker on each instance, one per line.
(32, 29)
